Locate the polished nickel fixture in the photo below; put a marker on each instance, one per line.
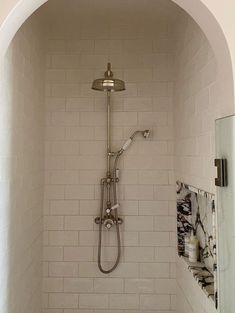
(109, 205)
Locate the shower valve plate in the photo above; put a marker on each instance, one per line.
(98, 220)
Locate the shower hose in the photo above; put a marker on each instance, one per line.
(102, 208)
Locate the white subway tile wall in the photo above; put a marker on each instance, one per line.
(177, 103)
(75, 162)
(196, 107)
(21, 173)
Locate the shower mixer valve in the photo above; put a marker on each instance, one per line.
(108, 220)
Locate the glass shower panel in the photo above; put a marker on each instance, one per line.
(225, 149)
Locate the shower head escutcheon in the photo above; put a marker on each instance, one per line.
(108, 82)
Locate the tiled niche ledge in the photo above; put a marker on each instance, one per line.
(196, 211)
(203, 277)
(194, 295)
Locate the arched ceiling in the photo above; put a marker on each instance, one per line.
(59, 14)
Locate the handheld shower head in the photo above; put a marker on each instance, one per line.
(145, 134)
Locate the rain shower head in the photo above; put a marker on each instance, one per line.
(108, 83)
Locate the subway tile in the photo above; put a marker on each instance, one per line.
(139, 286)
(64, 207)
(54, 133)
(152, 118)
(79, 133)
(138, 104)
(90, 176)
(124, 301)
(52, 310)
(78, 254)
(79, 192)
(126, 270)
(138, 223)
(62, 300)
(52, 253)
(138, 75)
(165, 254)
(138, 46)
(89, 207)
(64, 118)
(63, 177)
(90, 269)
(165, 286)
(79, 76)
(80, 46)
(56, 46)
(129, 207)
(93, 301)
(53, 284)
(157, 270)
(55, 104)
(153, 89)
(108, 285)
(63, 238)
(64, 148)
(54, 163)
(152, 147)
(164, 223)
(153, 177)
(78, 285)
(66, 90)
(148, 162)
(88, 238)
(139, 254)
(108, 253)
(124, 118)
(158, 239)
(88, 162)
(149, 207)
(63, 269)
(93, 148)
(55, 76)
(138, 192)
(78, 223)
(53, 222)
(65, 61)
(153, 302)
(79, 104)
(165, 193)
(54, 192)
(92, 61)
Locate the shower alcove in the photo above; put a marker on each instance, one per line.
(53, 132)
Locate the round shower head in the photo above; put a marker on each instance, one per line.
(108, 83)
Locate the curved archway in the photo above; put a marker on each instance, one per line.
(18, 11)
(197, 9)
